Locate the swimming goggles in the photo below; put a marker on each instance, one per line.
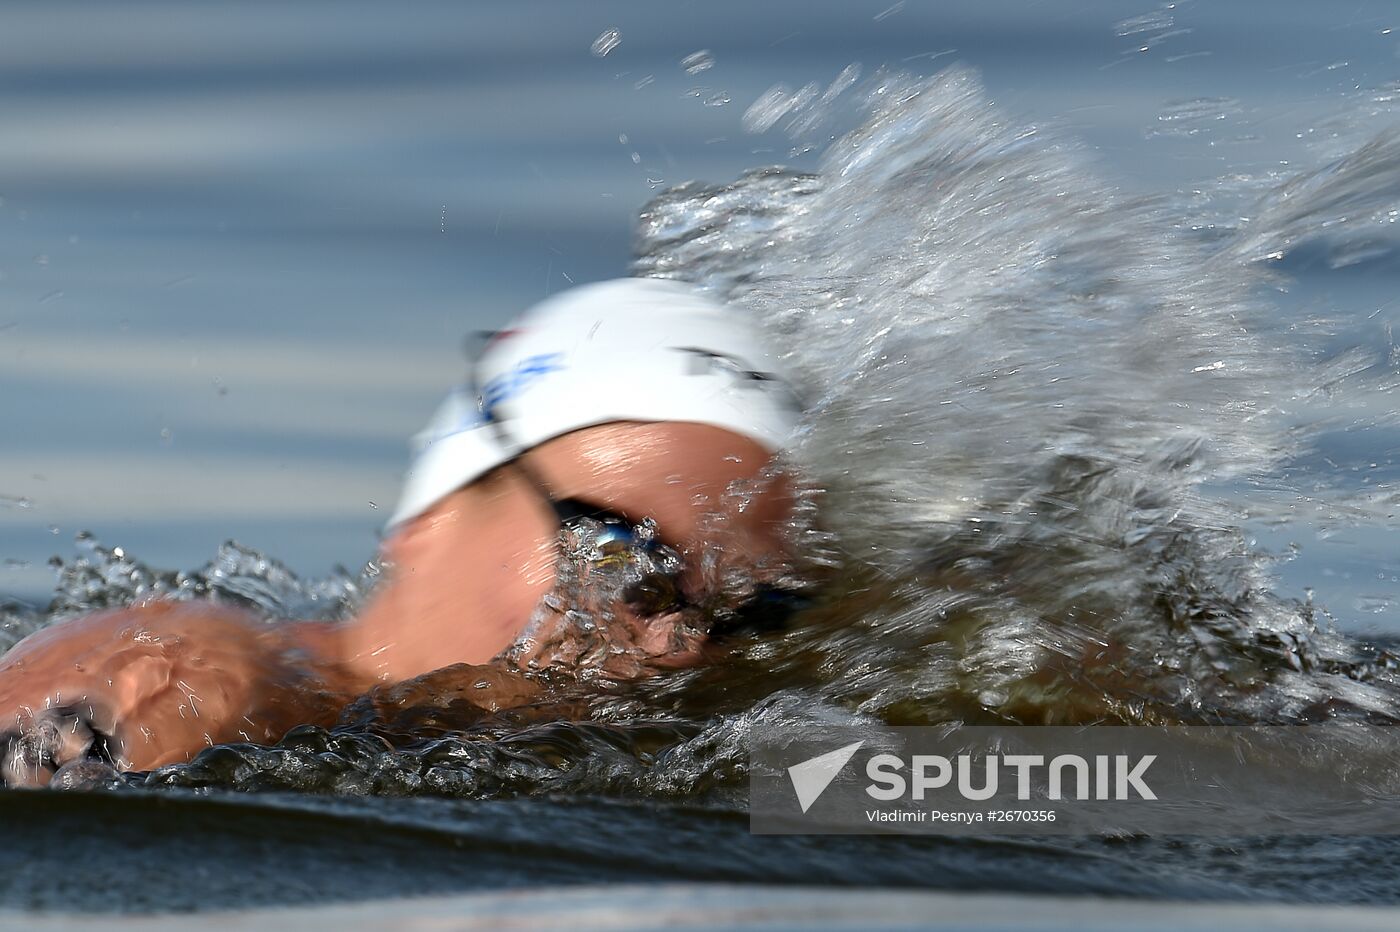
(613, 540)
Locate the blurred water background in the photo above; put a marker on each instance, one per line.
(241, 245)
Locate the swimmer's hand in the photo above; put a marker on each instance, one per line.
(63, 739)
(138, 688)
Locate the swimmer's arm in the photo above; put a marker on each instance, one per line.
(151, 685)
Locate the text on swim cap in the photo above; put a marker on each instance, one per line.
(509, 384)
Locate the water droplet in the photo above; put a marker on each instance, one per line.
(696, 62)
(717, 100)
(992, 698)
(606, 42)
(770, 107)
(1195, 116)
(1150, 22)
(889, 11)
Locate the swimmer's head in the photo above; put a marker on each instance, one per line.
(633, 349)
(626, 350)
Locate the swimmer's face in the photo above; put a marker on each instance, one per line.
(467, 574)
(473, 569)
(681, 476)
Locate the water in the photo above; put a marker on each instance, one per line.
(1076, 447)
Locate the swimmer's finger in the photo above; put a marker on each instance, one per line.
(21, 766)
(54, 737)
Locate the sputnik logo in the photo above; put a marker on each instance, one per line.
(811, 777)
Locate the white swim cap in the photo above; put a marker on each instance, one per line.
(457, 446)
(633, 349)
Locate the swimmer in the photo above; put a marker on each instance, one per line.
(622, 412)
